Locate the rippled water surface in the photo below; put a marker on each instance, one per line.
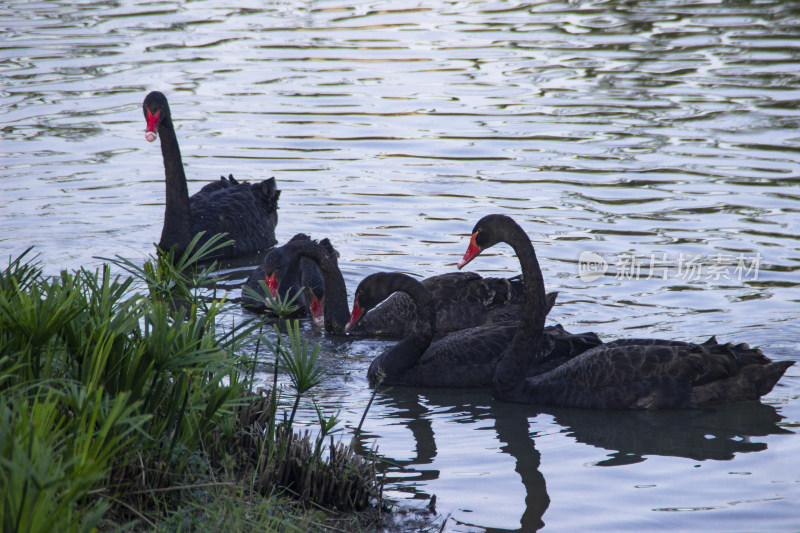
(656, 140)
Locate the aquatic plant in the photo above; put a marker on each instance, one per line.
(56, 445)
(109, 395)
(176, 280)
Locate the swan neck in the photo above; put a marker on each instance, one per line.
(404, 355)
(533, 310)
(177, 212)
(336, 312)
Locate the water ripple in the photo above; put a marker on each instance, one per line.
(643, 127)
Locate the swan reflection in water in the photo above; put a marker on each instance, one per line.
(630, 437)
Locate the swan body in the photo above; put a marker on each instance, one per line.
(462, 300)
(246, 212)
(624, 374)
(656, 374)
(462, 359)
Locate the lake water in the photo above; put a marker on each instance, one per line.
(656, 140)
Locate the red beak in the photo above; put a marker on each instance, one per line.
(472, 252)
(317, 310)
(272, 284)
(151, 133)
(354, 317)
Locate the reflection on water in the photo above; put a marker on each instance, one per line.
(628, 438)
(647, 133)
(718, 433)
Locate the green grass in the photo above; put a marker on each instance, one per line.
(125, 402)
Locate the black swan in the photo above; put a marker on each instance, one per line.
(246, 212)
(284, 268)
(462, 359)
(462, 299)
(305, 277)
(624, 374)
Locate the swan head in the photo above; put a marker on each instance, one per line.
(487, 232)
(280, 269)
(156, 111)
(372, 290)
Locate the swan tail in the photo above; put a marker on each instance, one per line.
(750, 383)
(268, 193)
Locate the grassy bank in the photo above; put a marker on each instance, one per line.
(126, 406)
